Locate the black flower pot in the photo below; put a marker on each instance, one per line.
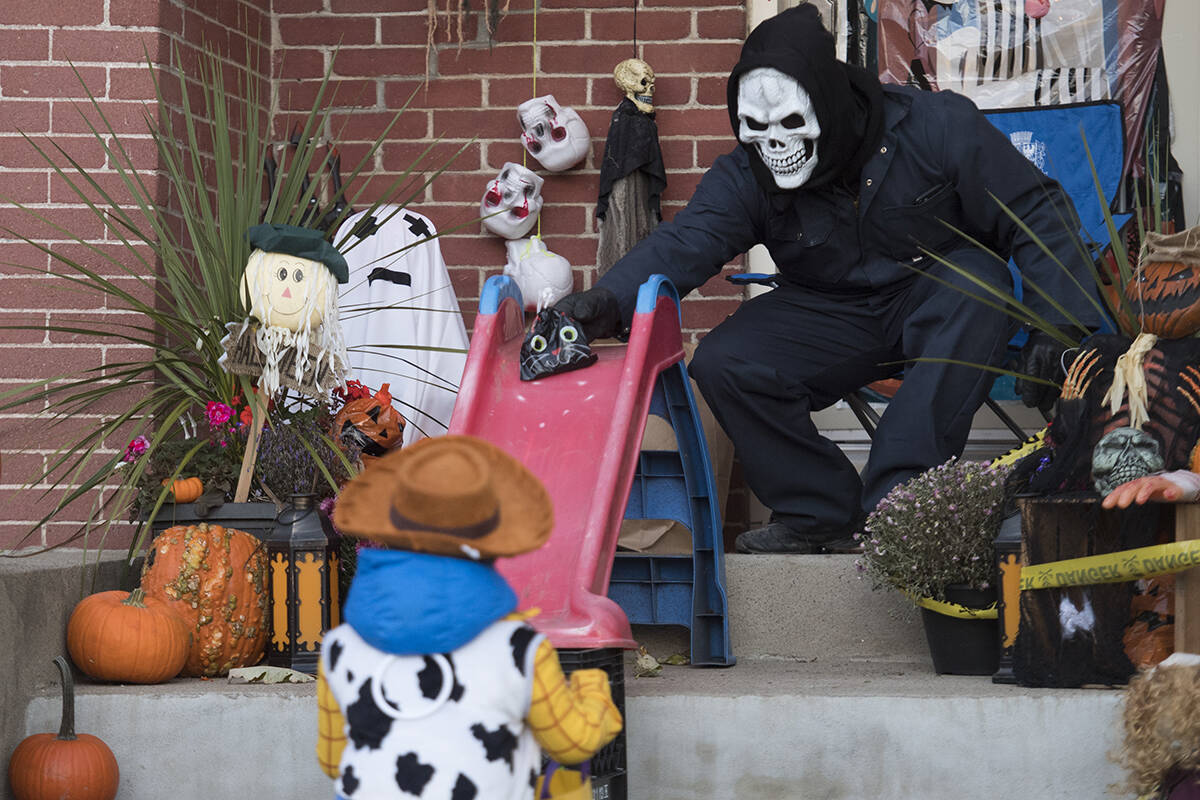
(963, 646)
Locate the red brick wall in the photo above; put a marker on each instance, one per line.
(42, 45)
(473, 90)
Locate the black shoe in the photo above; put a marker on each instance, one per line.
(846, 545)
(775, 537)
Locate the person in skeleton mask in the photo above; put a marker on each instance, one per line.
(851, 186)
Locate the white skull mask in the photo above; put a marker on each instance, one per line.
(512, 202)
(543, 277)
(635, 78)
(1123, 455)
(776, 115)
(555, 135)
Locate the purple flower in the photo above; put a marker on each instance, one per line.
(135, 448)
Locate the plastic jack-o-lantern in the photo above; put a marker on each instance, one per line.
(1165, 296)
(370, 423)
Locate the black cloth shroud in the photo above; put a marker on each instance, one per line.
(632, 145)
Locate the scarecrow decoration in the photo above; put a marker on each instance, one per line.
(433, 687)
(292, 336)
(1130, 407)
(632, 176)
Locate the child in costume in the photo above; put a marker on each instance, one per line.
(433, 687)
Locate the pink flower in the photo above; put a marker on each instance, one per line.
(217, 413)
(135, 448)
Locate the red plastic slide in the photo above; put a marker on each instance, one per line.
(580, 432)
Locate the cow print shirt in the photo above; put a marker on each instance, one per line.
(447, 726)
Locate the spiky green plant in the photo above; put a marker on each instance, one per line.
(1149, 214)
(185, 260)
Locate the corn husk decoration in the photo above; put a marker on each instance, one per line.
(293, 336)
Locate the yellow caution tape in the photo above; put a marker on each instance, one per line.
(1026, 447)
(1125, 565)
(955, 610)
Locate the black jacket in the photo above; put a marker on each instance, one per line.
(936, 166)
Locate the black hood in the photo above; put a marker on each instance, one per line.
(848, 100)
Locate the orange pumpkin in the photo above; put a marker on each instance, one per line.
(185, 490)
(1165, 296)
(370, 423)
(215, 578)
(68, 766)
(127, 637)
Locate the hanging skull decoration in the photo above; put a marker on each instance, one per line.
(776, 116)
(512, 202)
(635, 78)
(555, 135)
(1123, 455)
(543, 277)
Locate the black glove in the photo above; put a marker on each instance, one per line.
(596, 310)
(1041, 357)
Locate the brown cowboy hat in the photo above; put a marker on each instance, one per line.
(448, 495)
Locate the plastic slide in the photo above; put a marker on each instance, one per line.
(580, 433)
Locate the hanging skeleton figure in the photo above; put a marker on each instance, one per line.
(292, 336)
(632, 176)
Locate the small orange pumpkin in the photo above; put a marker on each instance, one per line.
(127, 637)
(215, 578)
(68, 766)
(185, 490)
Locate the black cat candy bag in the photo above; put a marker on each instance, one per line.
(554, 344)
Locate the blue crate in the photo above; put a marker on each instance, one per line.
(678, 485)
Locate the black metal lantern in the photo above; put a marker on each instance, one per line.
(304, 585)
(1008, 581)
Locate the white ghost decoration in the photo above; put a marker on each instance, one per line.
(543, 277)
(776, 116)
(555, 135)
(512, 202)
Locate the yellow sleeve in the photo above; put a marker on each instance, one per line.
(570, 720)
(331, 728)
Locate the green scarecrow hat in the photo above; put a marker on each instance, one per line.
(301, 242)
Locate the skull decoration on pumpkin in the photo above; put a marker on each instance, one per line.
(512, 202)
(555, 135)
(543, 277)
(776, 116)
(1123, 455)
(635, 78)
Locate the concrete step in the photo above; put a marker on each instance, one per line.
(833, 696)
(769, 729)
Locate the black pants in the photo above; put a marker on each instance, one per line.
(791, 351)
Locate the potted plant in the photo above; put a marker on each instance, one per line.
(212, 139)
(931, 539)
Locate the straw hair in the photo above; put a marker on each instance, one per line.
(448, 495)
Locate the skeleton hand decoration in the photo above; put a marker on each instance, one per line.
(776, 116)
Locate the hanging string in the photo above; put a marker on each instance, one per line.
(635, 50)
(536, 3)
